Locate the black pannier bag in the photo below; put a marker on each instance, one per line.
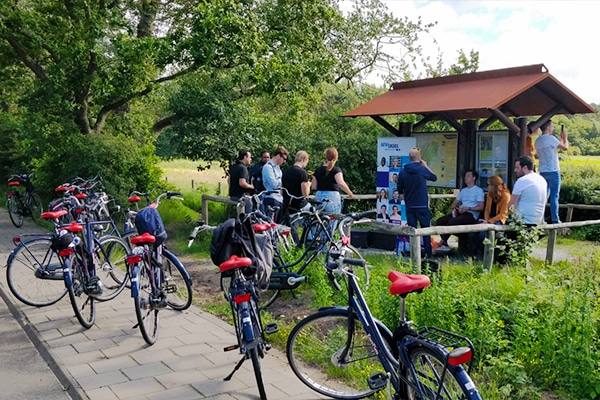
(234, 237)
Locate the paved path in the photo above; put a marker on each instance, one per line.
(111, 360)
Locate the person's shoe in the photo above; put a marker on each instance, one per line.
(443, 249)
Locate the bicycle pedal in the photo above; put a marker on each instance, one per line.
(271, 328)
(377, 381)
(232, 347)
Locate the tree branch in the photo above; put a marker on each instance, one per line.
(23, 56)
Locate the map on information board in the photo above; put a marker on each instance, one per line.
(439, 151)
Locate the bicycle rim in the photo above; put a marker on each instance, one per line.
(14, 211)
(314, 349)
(147, 316)
(257, 372)
(83, 305)
(111, 267)
(177, 288)
(34, 273)
(429, 366)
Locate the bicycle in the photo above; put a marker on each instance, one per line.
(19, 204)
(158, 280)
(340, 352)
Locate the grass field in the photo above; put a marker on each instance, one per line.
(185, 175)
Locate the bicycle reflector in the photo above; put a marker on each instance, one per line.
(242, 298)
(66, 252)
(460, 356)
(17, 240)
(133, 258)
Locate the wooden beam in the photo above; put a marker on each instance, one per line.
(486, 124)
(453, 122)
(505, 120)
(386, 125)
(426, 118)
(549, 114)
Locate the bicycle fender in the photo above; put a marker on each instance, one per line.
(135, 284)
(67, 271)
(174, 259)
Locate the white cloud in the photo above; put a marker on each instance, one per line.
(559, 34)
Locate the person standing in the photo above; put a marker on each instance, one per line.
(295, 181)
(256, 171)
(547, 146)
(529, 193)
(271, 174)
(327, 180)
(412, 185)
(465, 208)
(238, 176)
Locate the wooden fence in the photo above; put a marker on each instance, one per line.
(416, 233)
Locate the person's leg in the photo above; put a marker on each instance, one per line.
(553, 181)
(424, 217)
(443, 221)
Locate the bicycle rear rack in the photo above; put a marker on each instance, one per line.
(447, 339)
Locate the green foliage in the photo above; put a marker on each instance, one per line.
(515, 247)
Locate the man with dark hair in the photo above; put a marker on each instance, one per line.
(465, 208)
(238, 176)
(529, 193)
(295, 181)
(256, 171)
(271, 174)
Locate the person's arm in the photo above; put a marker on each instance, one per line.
(514, 200)
(488, 209)
(564, 140)
(313, 183)
(268, 176)
(305, 188)
(501, 210)
(244, 184)
(339, 179)
(430, 176)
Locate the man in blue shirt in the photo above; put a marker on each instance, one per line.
(271, 174)
(465, 208)
(412, 184)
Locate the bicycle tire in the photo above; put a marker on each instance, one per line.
(254, 356)
(147, 316)
(312, 348)
(111, 267)
(36, 206)
(14, 206)
(83, 304)
(429, 365)
(177, 285)
(31, 257)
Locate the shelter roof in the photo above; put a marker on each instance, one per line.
(517, 92)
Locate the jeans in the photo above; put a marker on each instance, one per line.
(423, 216)
(553, 180)
(333, 206)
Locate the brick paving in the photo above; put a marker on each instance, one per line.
(111, 361)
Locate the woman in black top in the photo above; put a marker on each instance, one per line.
(328, 179)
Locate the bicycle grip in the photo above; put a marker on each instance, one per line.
(353, 261)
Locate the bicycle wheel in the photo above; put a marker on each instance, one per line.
(176, 284)
(35, 206)
(83, 304)
(14, 206)
(429, 368)
(110, 253)
(147, 315)
(257, 372)
(34, 273)
(314, 348)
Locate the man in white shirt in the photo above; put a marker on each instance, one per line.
(465, 208)
(529, 193)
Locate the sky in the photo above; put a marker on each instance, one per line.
(561, 34)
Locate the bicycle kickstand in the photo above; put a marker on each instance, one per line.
(238, 365)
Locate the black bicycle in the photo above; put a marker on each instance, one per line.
(22, 200)
(345, 353)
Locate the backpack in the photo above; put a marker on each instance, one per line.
(257, 181)
(234, 237)
(148, 220)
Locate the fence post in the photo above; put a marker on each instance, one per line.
(569, 213)
(415, 253)
(192, 183)
(204, 209)
(488, 250)
(550, 248)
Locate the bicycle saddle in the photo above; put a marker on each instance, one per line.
(403, 284)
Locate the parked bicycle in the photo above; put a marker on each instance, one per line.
(158, 279)
(345, 353)
(22, 200)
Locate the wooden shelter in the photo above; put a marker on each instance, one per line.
(470, 103)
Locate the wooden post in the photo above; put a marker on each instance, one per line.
(569, 213)
(192, 183)
(488, 251)
(550, 248)
(204, 209)
(415, 253)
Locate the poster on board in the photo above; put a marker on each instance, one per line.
(392, 155)
(439, 150)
